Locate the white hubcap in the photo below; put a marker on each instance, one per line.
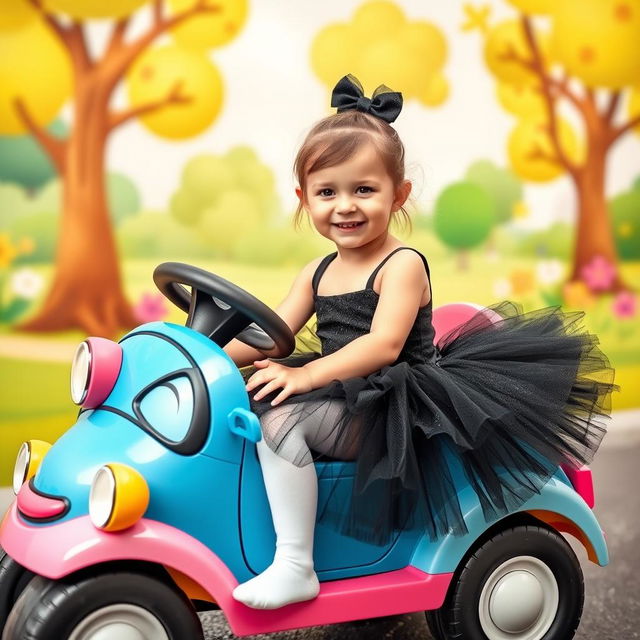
(519, 601)
(120, 622)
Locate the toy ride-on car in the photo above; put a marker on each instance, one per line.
(152, 507)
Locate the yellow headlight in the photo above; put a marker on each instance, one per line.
(119, 497)
(30, 456)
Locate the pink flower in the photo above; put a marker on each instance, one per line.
(599, 274)
(624, 305)
(150, 307)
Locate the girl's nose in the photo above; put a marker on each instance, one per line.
(345, 204)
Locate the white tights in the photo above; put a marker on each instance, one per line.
(292, 491)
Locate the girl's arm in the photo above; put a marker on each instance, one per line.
(295, 310)
(403, 284)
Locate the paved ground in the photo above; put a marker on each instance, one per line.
(612, 607)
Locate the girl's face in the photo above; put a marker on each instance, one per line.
(351, 203)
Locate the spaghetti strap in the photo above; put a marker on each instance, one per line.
(372, 277)
(324, 263)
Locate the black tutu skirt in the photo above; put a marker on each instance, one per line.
(509, 401)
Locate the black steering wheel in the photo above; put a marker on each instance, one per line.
(222, 310)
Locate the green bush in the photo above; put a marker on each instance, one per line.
(157, 235)
(555, 242)
(282, 245)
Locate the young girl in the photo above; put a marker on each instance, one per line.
(518, 395)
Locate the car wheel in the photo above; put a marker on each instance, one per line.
(434, 625)
(111, 606)
(524, 583)
(13, 579)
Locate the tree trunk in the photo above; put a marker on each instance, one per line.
(87, 291)
(594, 233)
(462, 260)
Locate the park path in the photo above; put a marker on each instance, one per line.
(45, 349)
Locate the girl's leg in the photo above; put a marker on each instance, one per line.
(292, 492)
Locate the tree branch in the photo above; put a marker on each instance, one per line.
(117, 35)
(511, 55)
(610, 111)
(561, 85)
(72, 37)
(54, 147)
(56, 27)
(78, 47)
(543, 75)
(538, 153)
(122, 58)
(175, 96)
(591, 95)
(157, 12)
(619, 131)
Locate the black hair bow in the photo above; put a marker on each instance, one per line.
(348, 94)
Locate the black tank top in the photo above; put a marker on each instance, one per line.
(346, 316)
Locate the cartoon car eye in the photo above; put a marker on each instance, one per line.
(119, 497)
(94, 371)
(29, 459)
(167, 407)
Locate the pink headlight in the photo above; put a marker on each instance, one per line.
(95, 369)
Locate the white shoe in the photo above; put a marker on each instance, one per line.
(293, 496)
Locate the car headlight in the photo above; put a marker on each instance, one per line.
(80, 370)
(28, 461)
(94, 371)
(119, 497)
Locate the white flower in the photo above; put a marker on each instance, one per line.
(501, 288)
(26, 283)
(549, 271)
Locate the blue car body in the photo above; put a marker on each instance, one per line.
(179, 414)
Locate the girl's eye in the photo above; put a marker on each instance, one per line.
(326, 193)
(364, 189)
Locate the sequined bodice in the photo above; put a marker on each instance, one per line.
(347, 316)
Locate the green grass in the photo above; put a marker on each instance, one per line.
(34, 396)
(35, 404)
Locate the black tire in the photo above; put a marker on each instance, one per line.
(50, 609)
(434, 625)
(13, 579)
(459, 616)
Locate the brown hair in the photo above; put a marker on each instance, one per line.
(336, 138)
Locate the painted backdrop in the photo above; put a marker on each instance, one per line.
(135, 132)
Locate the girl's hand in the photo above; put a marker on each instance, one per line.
(274, 375)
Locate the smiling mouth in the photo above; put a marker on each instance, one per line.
(348, 225)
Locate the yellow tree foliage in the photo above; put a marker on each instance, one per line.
(15, 14)
(88, 9)
(30, 57)
(530, 149)
(533, 6)
(523, 100)
(598, 41)
(380, 45)
(505, 44)
(215, 29)
(195, 82)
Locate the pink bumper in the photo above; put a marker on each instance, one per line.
(61, 549)
(582, 481)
